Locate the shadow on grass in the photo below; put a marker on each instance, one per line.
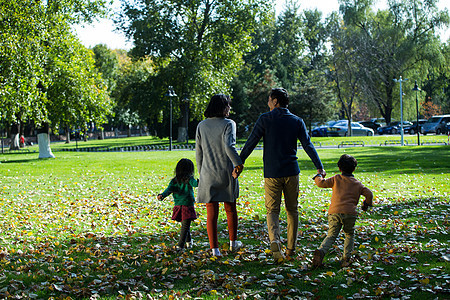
(15, 161)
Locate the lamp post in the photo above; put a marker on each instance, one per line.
(170, 94)
(401, 107)
(186, 101)
(417, 89)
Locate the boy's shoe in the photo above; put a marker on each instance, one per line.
(317, 258)
(235, 245)
(178, 249)
(275, 247)
(345, 262)
(189, 245)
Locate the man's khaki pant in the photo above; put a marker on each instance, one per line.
(274, 187)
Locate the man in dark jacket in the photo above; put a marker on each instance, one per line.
(280, 130)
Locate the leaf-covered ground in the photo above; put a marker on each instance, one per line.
(88, 225)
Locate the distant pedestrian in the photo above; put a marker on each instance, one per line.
(21, 141)
(182, 188)
(342, 211)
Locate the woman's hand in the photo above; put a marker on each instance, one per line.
(237, 171)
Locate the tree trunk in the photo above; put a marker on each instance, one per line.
(182, 134)
(67, 135)
(44, 142)
(44, 146)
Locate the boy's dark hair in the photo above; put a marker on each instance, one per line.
(347, 163)
(184, 170)
(281, 95)
(217, 105)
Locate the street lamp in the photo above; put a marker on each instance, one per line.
(186, 101)
(417, 89)
(401, 107)
(170, 94)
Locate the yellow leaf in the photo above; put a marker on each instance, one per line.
(330, 273)
(425, 281)
(396, 212)
(376, 239)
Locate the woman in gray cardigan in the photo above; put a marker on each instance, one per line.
(216, 157)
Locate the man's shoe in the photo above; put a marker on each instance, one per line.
(235, 245)
(275, 247)
(345, 262)
(290, 253)
(317, 258)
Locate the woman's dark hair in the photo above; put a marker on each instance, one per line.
(184, 170)
(347, 164)
(281, 95)
(217, 106)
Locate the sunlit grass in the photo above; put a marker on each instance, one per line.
(87, 223)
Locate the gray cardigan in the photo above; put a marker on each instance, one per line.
(216, 156)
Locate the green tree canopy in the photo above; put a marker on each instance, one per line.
(196, 46)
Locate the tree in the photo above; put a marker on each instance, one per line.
(197, 46)
(313, 99)
(44, 67)
(22, 64)
(393, 43)
(346, 73)
(107, 64)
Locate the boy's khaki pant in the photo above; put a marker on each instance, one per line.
(335, 223)
(273, 188)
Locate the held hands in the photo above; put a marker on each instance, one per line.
(237, 171)
(159, 197)
(322, 172)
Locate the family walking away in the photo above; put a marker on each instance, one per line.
(217, 157)
(342, 212)
(219, 166)
(280, 131)
(182, 188)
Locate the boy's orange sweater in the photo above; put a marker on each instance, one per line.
(346, 193)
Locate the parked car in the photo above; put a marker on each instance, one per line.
(370, 124)
(392, 128)
(341, 128)
(412, 129)
(322, 130)
(436, 124)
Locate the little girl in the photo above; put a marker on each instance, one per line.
(183, 194)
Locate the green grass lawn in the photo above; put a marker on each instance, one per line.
(87, 224)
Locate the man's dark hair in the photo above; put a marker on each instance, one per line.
(216, 107)
(281, 95)
(347, 164)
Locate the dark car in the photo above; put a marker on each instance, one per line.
(370, 124)
(392, 128)
(412, 129)
(322, 130)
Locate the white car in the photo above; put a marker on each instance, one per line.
(341, 128)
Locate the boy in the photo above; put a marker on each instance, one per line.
(342, 211)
